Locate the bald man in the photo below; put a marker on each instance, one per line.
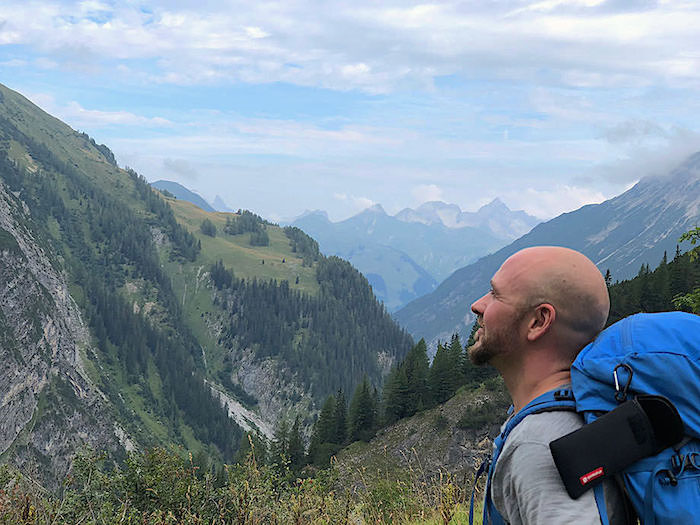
(545, 304)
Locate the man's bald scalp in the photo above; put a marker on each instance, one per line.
(572, 284)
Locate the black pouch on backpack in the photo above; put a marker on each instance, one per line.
(638, 428)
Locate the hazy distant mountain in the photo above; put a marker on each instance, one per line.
(220, 205)
(402, 258)
(495, 217)
(182, 193)
(620, 234)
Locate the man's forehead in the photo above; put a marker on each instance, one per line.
(519, 271)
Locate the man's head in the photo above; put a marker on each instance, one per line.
(542, 297)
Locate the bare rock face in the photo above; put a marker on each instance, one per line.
(265, 380)
(44, 390)
(278, 393)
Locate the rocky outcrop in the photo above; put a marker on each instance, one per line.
(48, 404)
(278, 398)
(453, 437)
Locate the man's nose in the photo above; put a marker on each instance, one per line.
(477, 306)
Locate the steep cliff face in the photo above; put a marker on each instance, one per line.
(48, 404)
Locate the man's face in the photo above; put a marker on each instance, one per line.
(500, 314)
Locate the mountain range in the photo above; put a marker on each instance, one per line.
(494, 217)
(384, 247)
(405, 256)
(619, 235)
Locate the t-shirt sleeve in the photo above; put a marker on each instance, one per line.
(532, 492)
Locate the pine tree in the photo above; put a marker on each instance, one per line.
(395, 394)
(296, 446)
(417, 367)
(322, 445)
(440, 375)
(208, 228)
(457, 362)
(341, 419)
(362, 414)
(280, 443)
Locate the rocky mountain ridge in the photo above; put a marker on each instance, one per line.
(405, 256)
(494, 217)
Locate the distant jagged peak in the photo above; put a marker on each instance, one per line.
(313, 213)
(495, 217)
(306, 215)
(438, 206)
(221, 205)
(496, 205)
(411, 215)
(375, 208)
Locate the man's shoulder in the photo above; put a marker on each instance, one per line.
(545, 427)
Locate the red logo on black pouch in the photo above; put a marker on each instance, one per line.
(592, 475)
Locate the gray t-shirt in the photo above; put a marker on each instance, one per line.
(526, 488)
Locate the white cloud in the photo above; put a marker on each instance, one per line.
(181, 167)
(376, 47)
(352, 204)
(79, 117)
(427, 193)
(549, 203)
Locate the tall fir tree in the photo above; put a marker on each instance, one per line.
(295, 449)
(362, 413)
(441, 375)
(323, 444)
(417, 368)
(457, 360)
(341, 418)
(395, 395)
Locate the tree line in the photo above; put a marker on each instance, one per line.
(248, 222)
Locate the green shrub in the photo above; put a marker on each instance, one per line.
(208, 228)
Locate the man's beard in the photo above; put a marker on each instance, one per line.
(495, 342)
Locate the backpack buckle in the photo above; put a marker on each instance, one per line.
(564, 394)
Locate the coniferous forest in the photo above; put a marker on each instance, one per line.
(325, 340)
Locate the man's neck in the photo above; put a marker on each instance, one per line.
(524, 387)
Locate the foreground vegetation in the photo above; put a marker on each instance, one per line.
(163, 487)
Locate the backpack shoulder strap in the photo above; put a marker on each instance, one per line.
(559, 399)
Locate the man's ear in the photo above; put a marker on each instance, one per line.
(540, 321)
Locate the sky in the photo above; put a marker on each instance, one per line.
(286, 106)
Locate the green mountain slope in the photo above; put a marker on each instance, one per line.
(132, 331)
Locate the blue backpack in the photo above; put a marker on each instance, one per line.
(637, 387)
